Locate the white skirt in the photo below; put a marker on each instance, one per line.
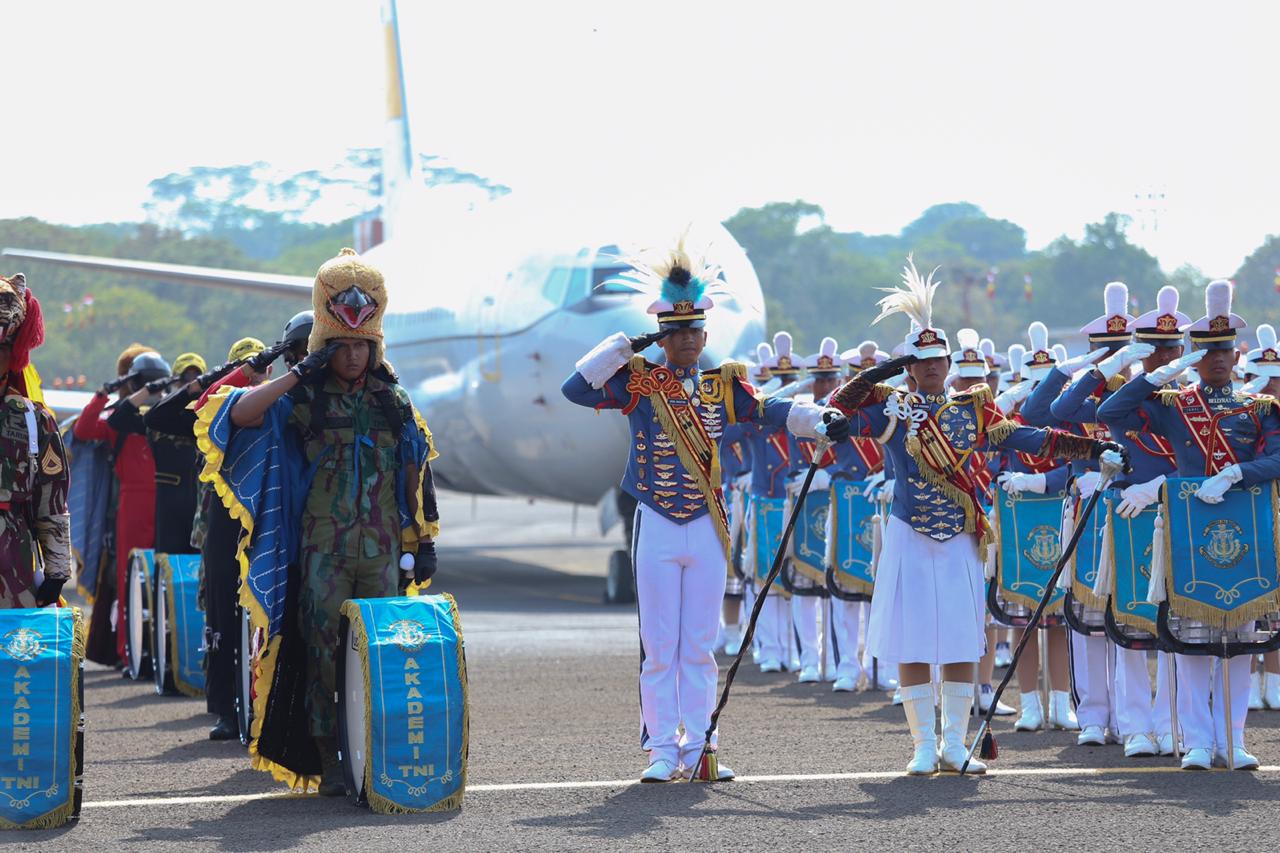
(929, 604)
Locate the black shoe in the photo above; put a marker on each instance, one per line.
(226, 729)
(330, 788)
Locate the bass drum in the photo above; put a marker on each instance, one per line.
(161, 666)
(244, 677)
(137, 613)
(351, 710)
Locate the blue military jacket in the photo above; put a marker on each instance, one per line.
(655, 475)
(1037, 411)
(1209, 428)
(969, 422)
(1150, 454)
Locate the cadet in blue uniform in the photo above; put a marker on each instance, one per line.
(770, 462)
(676, 415)
(929, 607)
(1230, 438)
(1023, 472)
(1144, 726)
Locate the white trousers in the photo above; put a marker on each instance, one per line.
(806, 614)
(846, 617)
(680, 580)
(1093, 666)
(1199, 683)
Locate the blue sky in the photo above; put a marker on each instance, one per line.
(1046, 114)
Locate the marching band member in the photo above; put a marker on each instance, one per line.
(35, 527)
(1144, 727)
(360, 525)
(135, 468)
(1041, 474)
(812, 629)
(770, 461)
(1262, 375)
(929, 608)
(676, 415)
(1092, 656)
(1231, 439)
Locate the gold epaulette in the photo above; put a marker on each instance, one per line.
(980, 394)
(1264, 403)
(638, 364)
(1115, 383)
(881, 392)
(1168, 396)
(731, 370)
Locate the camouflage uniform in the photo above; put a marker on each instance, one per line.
(33, 502)
(351, 522)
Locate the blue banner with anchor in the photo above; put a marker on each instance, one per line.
(415, 711)
(853, 520)
(1030, 531)
(768, 518)
(40, 654)
(1087, 556)
(1131, 551)
(809, 539)
(1222, 557)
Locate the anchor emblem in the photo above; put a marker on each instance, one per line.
(1224, 548)
(866, 535)
(23, 644)
(1046, 547)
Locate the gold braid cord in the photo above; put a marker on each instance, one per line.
(1066, 445)
(857, 393)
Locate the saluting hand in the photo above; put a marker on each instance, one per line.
(314, 362)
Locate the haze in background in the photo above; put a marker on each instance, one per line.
(1050, 115)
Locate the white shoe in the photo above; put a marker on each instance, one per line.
(661, 770)
(733, 641)
(771, 665)
(887, 682)
(1197, 759)
(1255, 692)
(1092, 736)
(809, 675)
(1004, 655)
(1244, 759)
(844, 684)
(1032, 717)
(897, 696)
(724, 773)
(917, 702)
(984, 702)
(1166, 743)
(1061, 714)
(1141, 745)
(957, 700)
(1271, 691)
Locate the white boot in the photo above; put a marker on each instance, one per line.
(1061, 714)
(917, 701)
(1032, 717)
(957, 701)
(732, 639)
(1271, 690)
(1255, 692)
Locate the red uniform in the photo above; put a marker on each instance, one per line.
(136, 512)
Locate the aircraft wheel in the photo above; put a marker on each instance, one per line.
(619, 584)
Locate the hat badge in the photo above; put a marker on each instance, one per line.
(1166, 323)
(1116, 323)
(928, 336)
(684, 306)
(1219, 324)
(1041, 357)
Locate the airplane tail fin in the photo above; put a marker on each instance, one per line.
(398, 167)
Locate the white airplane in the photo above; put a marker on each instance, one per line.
(489, 312)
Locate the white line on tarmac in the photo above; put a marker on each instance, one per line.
(624, 783)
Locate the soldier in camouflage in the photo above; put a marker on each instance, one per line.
(35, 528)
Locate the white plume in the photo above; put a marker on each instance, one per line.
(914, 298)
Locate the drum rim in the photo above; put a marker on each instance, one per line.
(355, 790)
(160, 662)
(136, 658)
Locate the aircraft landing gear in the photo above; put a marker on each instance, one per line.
(619, 584)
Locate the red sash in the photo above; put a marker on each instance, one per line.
(868, 450)
(828, 456)
(1206, 430)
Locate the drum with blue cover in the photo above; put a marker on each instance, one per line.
(403, 721)
(138, 595)
(41, 716)
(177, 642)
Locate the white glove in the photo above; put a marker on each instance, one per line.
(1212, 489)
(1087, 483)
(1014, 482)
(1069, 366)
(1122, 358)
(886, 491)
(1172, 370)
(1256, 384)
(821, 481)
(873, 483)
(1014, 394)
(1134, 499)
(607, 358)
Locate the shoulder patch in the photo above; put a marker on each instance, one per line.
(1168, 396)
(1115, 383)
(51, 462)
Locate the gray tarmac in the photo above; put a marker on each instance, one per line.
(554, 750)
